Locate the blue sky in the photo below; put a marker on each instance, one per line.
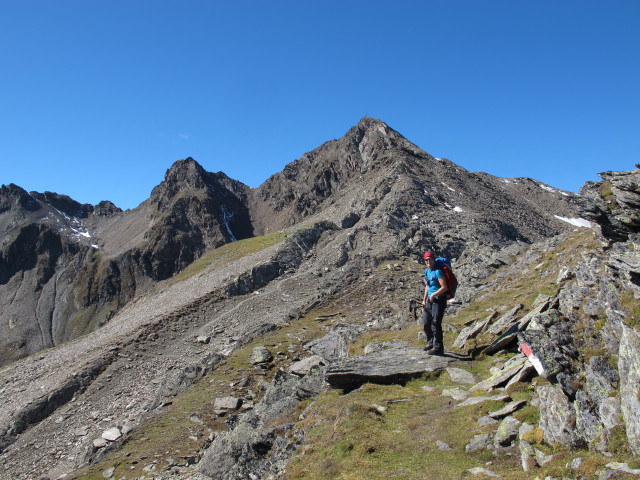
(98, 98)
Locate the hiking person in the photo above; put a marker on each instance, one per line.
(434, 304)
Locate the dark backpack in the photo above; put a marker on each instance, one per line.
(444, 264)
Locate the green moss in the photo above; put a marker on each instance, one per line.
(617, 440)
(631, 306)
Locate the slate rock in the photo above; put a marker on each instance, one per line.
(476, 400)
(459, 375)
(507, 432)
(629, 368)
(395, 365)
(505, 321)
(507, 409)
(503, 375)
(472, 331)
(305, 365)
(112, 434)
(557, 417)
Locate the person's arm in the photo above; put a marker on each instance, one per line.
(424, 297)
(443, 288)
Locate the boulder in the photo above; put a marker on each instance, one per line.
(395, 365)
(260, 355)
(629, 368)
(507, 432)
(557, 417)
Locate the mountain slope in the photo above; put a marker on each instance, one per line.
(66, 268)
(356, 273)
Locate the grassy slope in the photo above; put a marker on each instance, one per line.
(348, 436)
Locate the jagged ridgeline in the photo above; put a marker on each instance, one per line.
(232, 321)
(66, 268)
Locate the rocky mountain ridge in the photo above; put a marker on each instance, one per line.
(67, 268)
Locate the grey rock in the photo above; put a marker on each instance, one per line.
(481, 441)
(335, 344)
(100, 442)
(455, 393)
(507, 432)
(108, 473)
(227, 403)
(251, 447)
(379, 346)
(507, 409)
(623, 467)
(527, 456)
(487, 421)
(502, 377)
(112, 434)
(483, 471)
(576, 463)
(588, 425)
(505, 321)
(629, 368)
(396, 365)
(260, 355)
(557, 417)
(476, 400)
(442, 445)
(305, 365)
(459, 375)
(472, 331)
(610, 412)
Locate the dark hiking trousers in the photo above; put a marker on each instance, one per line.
(432, 320)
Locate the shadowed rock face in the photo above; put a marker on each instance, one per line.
(66, 267)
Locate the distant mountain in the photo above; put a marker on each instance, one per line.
(66, 268)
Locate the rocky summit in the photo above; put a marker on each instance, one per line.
(205, 333)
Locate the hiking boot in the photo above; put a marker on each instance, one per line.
(428, 347)
(435, 351)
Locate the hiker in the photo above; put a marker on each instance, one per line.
(434, 304)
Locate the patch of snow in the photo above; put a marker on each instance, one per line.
(95, 246)
(447, 186)
(84, 234)
(415, 217)
(457, 209)
(447, 205)
(548, 189)
(578, 222)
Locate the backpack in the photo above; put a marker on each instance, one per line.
(444, 264)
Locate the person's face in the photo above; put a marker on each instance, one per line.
(429, 262)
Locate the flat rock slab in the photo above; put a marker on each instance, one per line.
(395, 365)
(459, 375)
(507, 409)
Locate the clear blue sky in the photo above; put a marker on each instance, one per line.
(98, 98)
